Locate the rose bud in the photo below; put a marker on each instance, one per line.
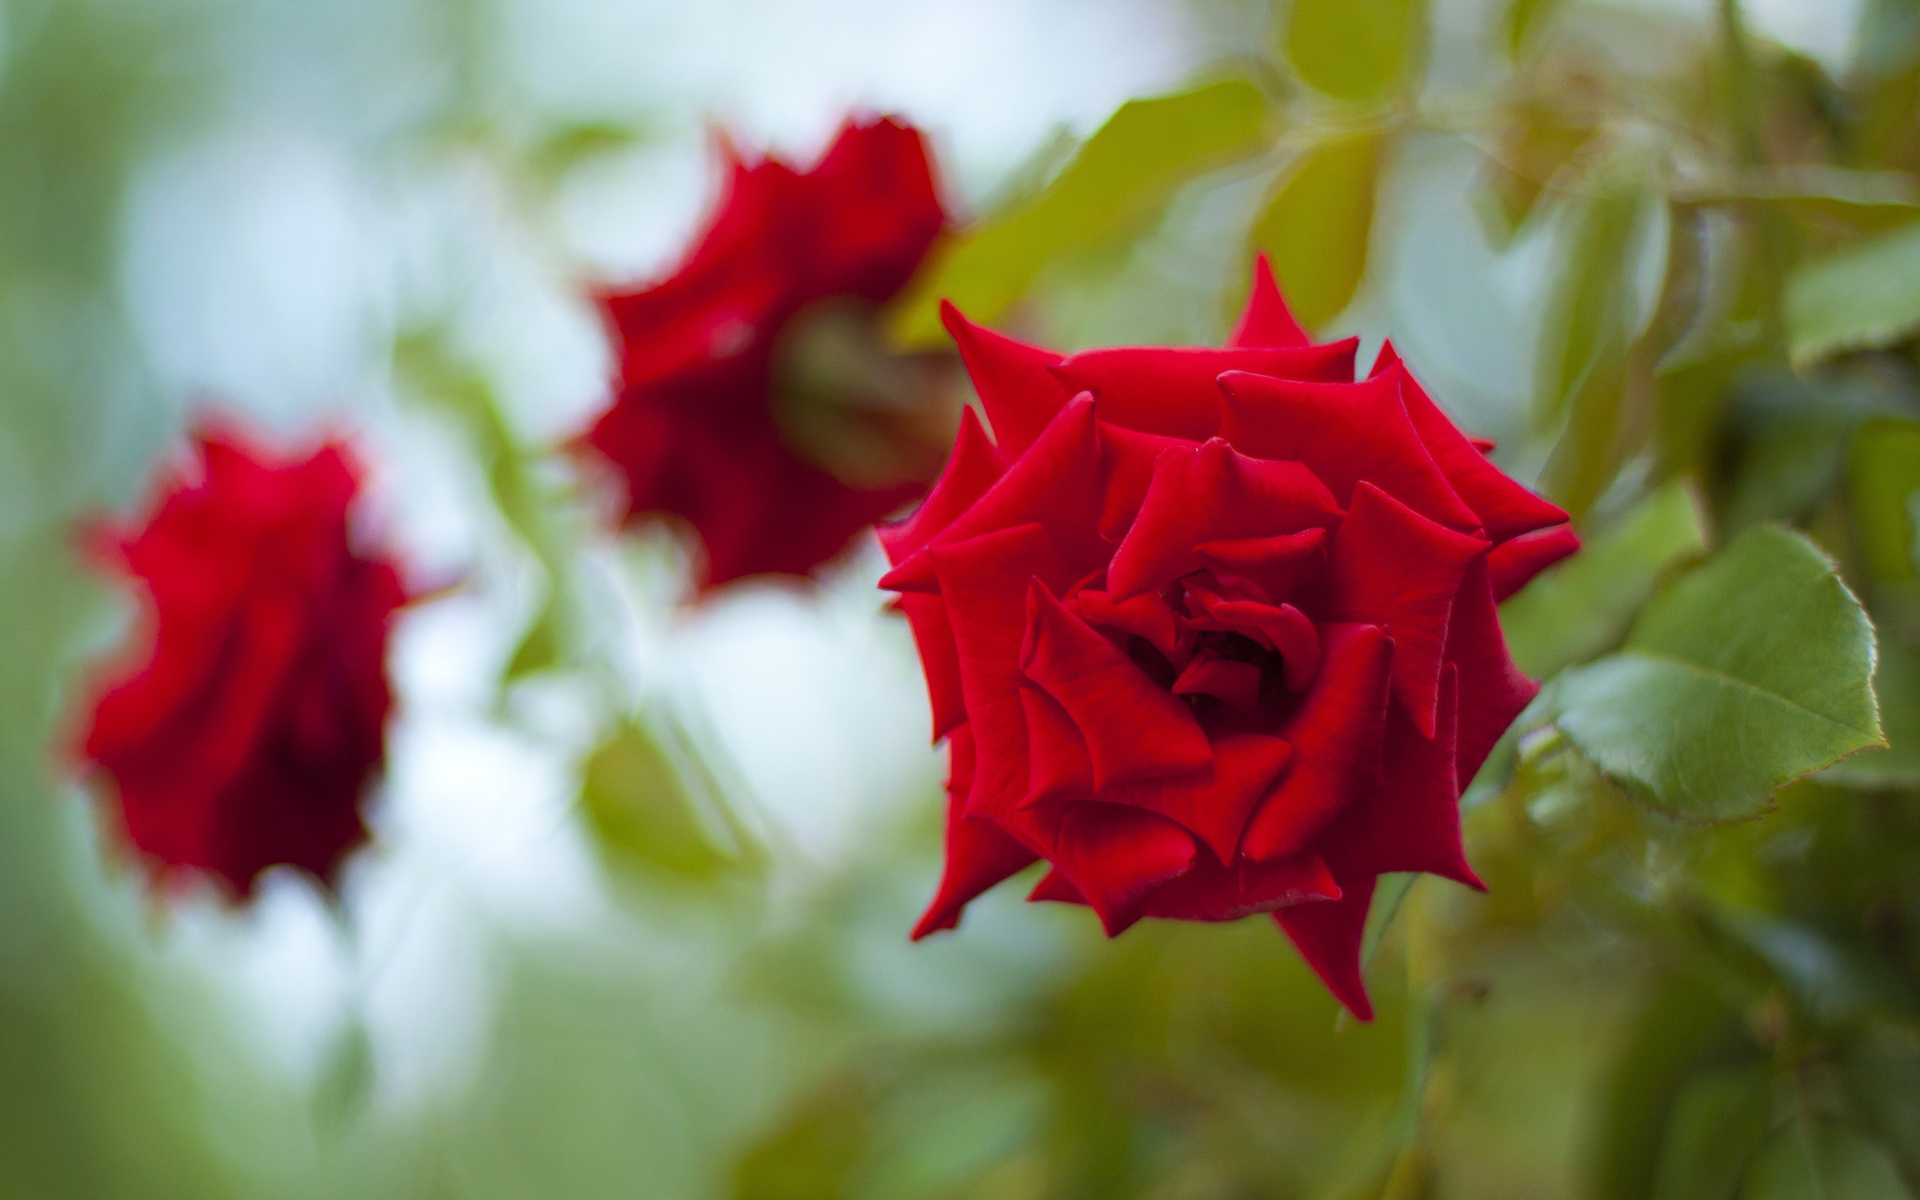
(243, 726)
(1212, 632)
(755, 398)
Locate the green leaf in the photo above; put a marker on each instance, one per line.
(1316, 226)
(640, 808)
(1354, 49)
(346, 1078)
(1718, 1122)
(1526, 22)
(1896, 683)
(1821, 1160)
(1592, 321)
(1865, 296)
(1389, 897)
(1581, 607)
(1751, 672)
(574, 145)
(1883, 476)
(1131, 165)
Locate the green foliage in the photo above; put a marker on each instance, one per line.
(1124, 171)
(1582, 607)
(433, 371)
(650, 808)
(1583, 373)
(1355, 49)
(1526, 22)
(1316, 226)
(1822, 1160)
(1717, 1123)
(1751, 672)
(1885, 474)
(1864, 296)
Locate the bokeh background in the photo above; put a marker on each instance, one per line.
(674, 964)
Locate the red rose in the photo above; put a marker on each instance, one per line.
(1212, 631)
(694, 428)
(245, 734)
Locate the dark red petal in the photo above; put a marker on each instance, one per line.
(979, 855)
(1211, 892)
(1128, 457)
(1059, 771)
(1514, 563)
(1266, 321)
(1279, 563)
(1393, 568)
(1055, 887)
(1211, 493)
(876, 211)
(1492, 689)
(1134, 729)
(1113, 855)
(1235, 684)
(984, 582)
(1411, 822)
(1282, 628)
(1345, 433)
(1337, 734)
(933, 638)
(974, 466)
(1020, 395)
(1328, 934)
(1213, 804)
(1056, 484)
(1147, 616)
(1171, 390)
(1504, 507)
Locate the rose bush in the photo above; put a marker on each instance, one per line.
(244, 729)
(704, 356)
(1212, 632)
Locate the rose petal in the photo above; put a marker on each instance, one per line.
(1393, 568)
(1235, 684)
(974, 466)
(1504, 507)
(1266, 321)
(1057, 888)
(1055, 484)
(1146, 616)
(1515, 562)
(1134, 729)
(1129, 458)
(1171, 390)
(979, 855)
(1214, 803)
(1281, 628)
(1280, 564)
(1328, 936)
(1114, 854)
(1345, 433)
(1211, 892)
(1411, 822)
(1492, 688)
(939, 659)
(877, 211)
(984, 582)
(1210, 493)
(1020, 396)
(1337, 731)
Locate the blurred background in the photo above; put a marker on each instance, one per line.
(634, 920)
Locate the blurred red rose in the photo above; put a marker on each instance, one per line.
(715, 417)
(1212, 631)
(244, 733)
